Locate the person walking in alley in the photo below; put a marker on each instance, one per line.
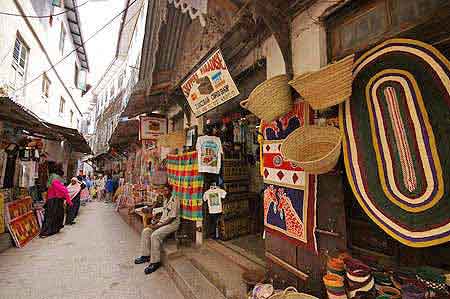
(109, 188)
(74, 192)
(153, 236)
(54, 206)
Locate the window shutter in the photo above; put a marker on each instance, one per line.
(82, 80)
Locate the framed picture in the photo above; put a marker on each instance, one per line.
(191, 136)
(151, 127)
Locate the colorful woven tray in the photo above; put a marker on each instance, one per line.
(396, 128)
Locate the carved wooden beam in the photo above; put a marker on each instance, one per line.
(279, 24)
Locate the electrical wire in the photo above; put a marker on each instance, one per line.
(78, 47)
(43, 17)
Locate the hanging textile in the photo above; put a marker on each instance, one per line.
(195, 8)
(187, 183)
(396, 129)
(289, 193)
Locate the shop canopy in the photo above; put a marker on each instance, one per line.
(73, 136)
(18, 116)
(125, 133)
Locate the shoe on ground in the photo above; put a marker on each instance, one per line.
(142, 259)
(152, 268)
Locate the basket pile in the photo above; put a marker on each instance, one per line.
(271, 99)
(291, 293)
(327, 87)
(314, 148)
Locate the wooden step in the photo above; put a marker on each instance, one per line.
(190, 281)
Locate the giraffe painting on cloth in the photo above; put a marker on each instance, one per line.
(289, 192)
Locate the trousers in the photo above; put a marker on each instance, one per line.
(151, 240)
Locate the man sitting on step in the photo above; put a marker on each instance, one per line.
(153, 236)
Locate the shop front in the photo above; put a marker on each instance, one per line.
(29, 150)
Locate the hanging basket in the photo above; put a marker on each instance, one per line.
(327, 87)
(314, 148)
(291, 293)
(271, 99)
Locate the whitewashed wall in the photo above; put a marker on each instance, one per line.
(10, 26)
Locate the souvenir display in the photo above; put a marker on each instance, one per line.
(210, 153)
(24, 228)
(395, 150)
(18, 208)
(183, 175)
(289, 193)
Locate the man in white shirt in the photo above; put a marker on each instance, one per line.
(153, 236)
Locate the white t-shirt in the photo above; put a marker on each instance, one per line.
(210, 152)
(214, 198)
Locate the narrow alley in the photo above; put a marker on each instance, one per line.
(91, 259)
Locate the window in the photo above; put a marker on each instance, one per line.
(62, 103)
(19, 64)
(62, 39)
(71, 117)
(357, 28)
(77, 73)
(112, 92)
(120, 80)
(45, 86)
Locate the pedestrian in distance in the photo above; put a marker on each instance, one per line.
(109, 188)
(74, 189)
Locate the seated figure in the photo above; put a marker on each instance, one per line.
(153, 236)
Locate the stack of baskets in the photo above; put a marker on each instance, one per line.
(335, 286)
(271, 99)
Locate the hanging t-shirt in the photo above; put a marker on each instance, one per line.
(214, 198)
(210, 152)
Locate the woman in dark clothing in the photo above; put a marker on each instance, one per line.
(54, 206)
(74, 192)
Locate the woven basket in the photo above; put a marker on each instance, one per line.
(172, 140)
(271, 99)
(291, 293)
(327, 87)
(314, 148)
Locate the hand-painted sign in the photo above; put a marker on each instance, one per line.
(152, 127)
(210, 85)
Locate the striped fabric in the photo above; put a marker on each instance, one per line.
(187, 183)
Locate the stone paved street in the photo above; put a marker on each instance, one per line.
(92, 259)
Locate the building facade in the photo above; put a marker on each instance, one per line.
(43, 61)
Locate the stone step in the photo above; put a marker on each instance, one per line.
(190, 281)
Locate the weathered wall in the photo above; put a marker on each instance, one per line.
(199, 40)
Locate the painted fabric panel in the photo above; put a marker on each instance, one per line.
(187, 183)
(396, 129)
(289, 192)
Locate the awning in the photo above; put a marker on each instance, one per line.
(74, 137)
(18, 116)
(126, 132)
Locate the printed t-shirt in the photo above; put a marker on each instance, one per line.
(210, 152)
(214, 198)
